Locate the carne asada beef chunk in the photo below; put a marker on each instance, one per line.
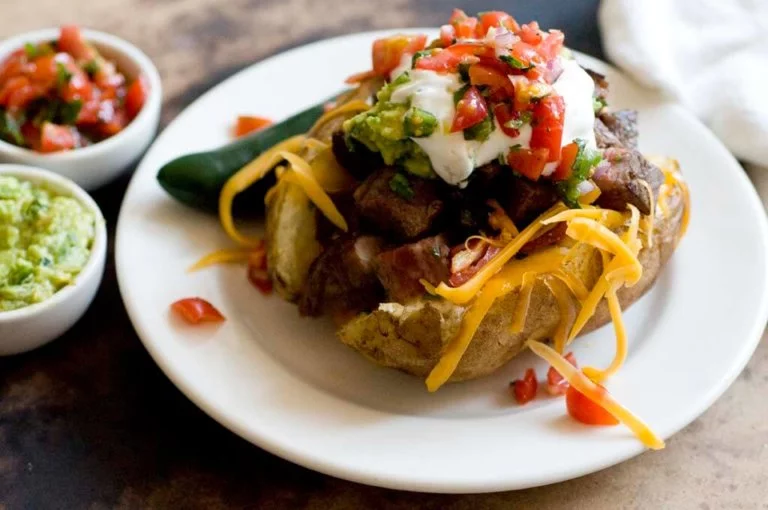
(345, 204)
(407, 213)
(466, 210)
(604, 137)
(620, 178)
(401, 268)
(601, 85)
(623, 125)
(552, 236)
(526, 199)
(359, 161)
(342, 280)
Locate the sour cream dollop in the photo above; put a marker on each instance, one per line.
(453, 158)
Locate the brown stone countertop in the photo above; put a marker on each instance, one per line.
(90, 421)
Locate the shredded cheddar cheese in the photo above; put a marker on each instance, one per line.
(463, 294)
(507, 280)
(589, 389)
(301, 174)
(225, 256)
(523, 301)
(244, 178)
(566, 307)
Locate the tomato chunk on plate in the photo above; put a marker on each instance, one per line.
(196, 310)
(584, 410)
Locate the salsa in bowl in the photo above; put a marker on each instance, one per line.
(63, 94)
(82, 103)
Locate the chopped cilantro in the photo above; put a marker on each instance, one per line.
(586, 160)
(459, 94)
(418, 55)
(91, 67)
(480, 131)
(68, 112)
(31, 50)
(10, 129)
(518, 122)
(400, 185)
(62, 75)
(464, 72)
(516, 63)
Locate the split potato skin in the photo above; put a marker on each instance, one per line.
(411, 338)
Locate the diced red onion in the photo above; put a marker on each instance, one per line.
(585, 187)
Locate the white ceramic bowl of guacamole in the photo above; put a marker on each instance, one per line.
(53, 245)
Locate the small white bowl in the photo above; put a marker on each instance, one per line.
(26, 328)
(100, 163)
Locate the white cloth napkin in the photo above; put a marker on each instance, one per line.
(710, 55)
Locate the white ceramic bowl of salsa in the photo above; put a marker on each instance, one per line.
(26, 328)
(98, 164)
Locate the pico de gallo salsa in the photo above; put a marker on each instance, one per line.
(62, 94)
(488, 89)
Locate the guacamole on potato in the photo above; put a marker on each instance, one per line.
(387, 128)
(45, 241)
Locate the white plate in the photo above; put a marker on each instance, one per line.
(285, 384)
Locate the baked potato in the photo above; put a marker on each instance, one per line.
(411, 338)
(291, 226)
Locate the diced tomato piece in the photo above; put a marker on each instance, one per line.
(525, 389)
(483, 75)
(79, 87)
(530, 33)
(447, 35)
(112, 119)
(584, 410)
(260, 279)
(465, 26)
(257, 269)
(448, 59)
(528, 162)
(470, 110)
(549, 117)
(107, 76)
(497, 19)
(43, 70)
(556, 384)
(360, 77)
(567, 157)
(14, 65)
(89, 111)
(196, 310)
(55, 138)
(505, 114)
(526, 54)
(71, 41)
(441, 61)
(136, 96)
(18, 92)
(249, 123)
(388, 52)
(551, 45)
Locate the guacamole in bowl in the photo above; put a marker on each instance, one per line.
(45, 241)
